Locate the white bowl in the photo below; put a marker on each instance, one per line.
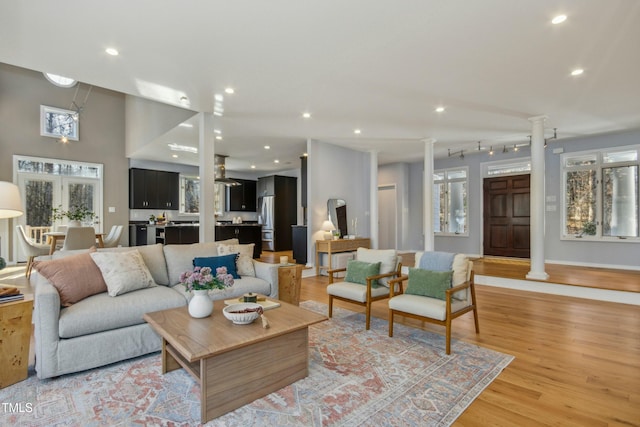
(241, 318)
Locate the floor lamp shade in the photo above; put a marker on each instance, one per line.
(10, 203)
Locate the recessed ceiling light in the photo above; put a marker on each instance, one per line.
(577, 72)
(217, 113)
(267, 147)
(253, 166)
(229, 90)
(111, 51)
(439, 109)
(218, 131)
(306, 115)
(276, 161)
(185, 125)
(218, 97)
(357, 131)
(175, 156)
(219, 137)
(559, 19)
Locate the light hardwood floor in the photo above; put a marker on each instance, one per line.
(577, 361)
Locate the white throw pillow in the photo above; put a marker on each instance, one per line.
(244, 262)
(123, 271)
(388, 259)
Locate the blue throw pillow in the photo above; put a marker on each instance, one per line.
(214, 262)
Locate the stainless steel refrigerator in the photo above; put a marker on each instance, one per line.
(266, 212)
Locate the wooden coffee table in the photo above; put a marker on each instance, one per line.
(235, 364)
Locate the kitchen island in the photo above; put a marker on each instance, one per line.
(246, 233)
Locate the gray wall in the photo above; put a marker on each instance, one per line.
(102, 133)
(576, 252)
(335, 172)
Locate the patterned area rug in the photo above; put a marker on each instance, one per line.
(356, 378)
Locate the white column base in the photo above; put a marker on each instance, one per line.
(537, 275)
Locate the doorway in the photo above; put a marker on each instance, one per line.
(387, 217)
(507, 216)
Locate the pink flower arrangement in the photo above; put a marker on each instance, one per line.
(202, 279)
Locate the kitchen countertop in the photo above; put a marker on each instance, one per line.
(242, 224)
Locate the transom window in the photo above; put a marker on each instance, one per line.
(600, 199)
(450, 201)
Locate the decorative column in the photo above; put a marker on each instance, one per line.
(373, 198)
(536, 200)
(428, 194)
(206, 150)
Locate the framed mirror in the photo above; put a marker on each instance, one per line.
(337, 212)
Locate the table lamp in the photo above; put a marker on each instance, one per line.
(328, 228)
(10, 203)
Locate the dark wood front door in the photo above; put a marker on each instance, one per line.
(506, 216)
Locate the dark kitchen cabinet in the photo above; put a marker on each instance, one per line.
(285, 209)
(244, 233)
(152, 189)
(241, 198)
(299, 236)
(181, 234)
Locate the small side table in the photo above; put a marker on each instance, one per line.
(289, 282)
(15, 336)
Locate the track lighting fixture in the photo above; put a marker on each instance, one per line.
(455, 153)
(491, 150)
(504, 149)
(515, 148)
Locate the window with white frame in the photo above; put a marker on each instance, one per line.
(189, 194)
(450, 201)
(601, 194)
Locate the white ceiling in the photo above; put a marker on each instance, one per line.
(382, 67)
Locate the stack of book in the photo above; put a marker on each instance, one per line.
(8, 294)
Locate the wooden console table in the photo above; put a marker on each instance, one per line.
(334, 246)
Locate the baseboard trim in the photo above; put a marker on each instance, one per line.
(621, 297)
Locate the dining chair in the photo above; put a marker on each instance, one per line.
(113, 238)
(30, 249)
(79, 238)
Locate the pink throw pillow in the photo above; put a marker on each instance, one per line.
(76, 277)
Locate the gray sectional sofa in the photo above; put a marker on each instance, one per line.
(102, 329)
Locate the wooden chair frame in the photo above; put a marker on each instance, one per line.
(449, 314)
(370, 299)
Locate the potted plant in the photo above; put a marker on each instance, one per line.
(152, 219)
(200, 281)
(76, 214)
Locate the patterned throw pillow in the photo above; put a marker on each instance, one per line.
(358, 271)
(244, 262)
(429, 283)
(123, 271)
